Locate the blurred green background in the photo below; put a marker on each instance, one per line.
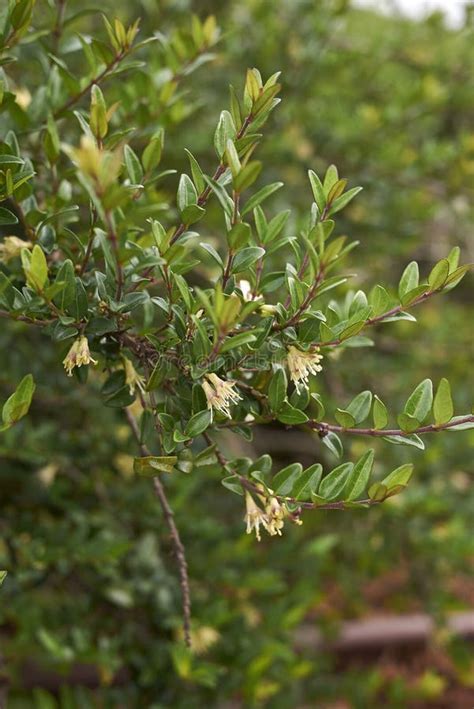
(92, 580)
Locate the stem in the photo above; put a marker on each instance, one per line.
(175, 536)
(90, 241)
(96, 80)
(310, 295)
(115, 248)
(339, 505)
(323, 427)
(382, 317)
(25, 318)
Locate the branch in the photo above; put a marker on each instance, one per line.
(323, 427)
(338, 505)
(25, 318)
(115, 248)
(202, 198)
(175, 536)
(96, 80)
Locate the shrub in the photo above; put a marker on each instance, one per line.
(190, 333)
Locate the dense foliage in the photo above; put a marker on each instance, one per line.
(194, 318)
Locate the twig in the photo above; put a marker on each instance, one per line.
(25, 318)
(115, 247)
(90, 242)
(96, 80)
(203, 197)
(175, 536)
(323, 427)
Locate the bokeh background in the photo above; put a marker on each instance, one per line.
(90, 610)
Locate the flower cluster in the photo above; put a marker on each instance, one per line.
(11, 248)
(271, 517)
(78, 355)
(220, 394)
(301, 364)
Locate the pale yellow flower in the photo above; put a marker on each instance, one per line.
(220, 394)
(254, 516)
(78, 355)
(133, 379)
(11, 247)
(276, 514)
(301, 365)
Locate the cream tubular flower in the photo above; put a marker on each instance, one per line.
(133, 379)
(301, 365)
(254, 516)
(78, 355)
(246, 289)
(220, 394)
(11, 247)
(276, 514)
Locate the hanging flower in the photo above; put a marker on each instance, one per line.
(133, 379)
(11, 247)
(254, 516)
(246, 289)
(78, 355)
(301, 365)
(220, 394)
(276, 514)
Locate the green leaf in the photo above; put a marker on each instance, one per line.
(419, 403)
(232, 158)
(247, 175)
(198, 423)
(332, 441)
(260, 196)
(307, 483)
(241, 338)
(187, 194)
(344, 418)
(98, 114)
(333, 484)
(285, 479)
(379, 299)
(409, 440)
(196, 172)
(379, 413)
(330, 178)
(378, 492)
(18, 404)
(151, 465)
(408, 423)
(151, 156)
(439, 274)
(291, 416)
(225, 131)
(7, 218)
(360, 406)
(342, 201)
(36, 270)
(359, 476)
(232, 483)
(277, 390)
(443, 409)
(409, 279)
(134, 168)
(246, 257)
(456, 276)
(398, 479)
(66, 275)
(466, 425)
(192, 214)
(78, 307)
